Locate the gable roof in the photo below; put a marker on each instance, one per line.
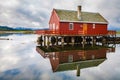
(82, 64)
(87, 17)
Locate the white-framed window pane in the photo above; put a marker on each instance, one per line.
(93, 26)
(71, 26)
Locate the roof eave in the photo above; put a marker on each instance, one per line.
(84, 22)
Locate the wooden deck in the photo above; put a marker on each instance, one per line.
(111, 32)
(73, 33)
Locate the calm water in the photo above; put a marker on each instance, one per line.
(19, 60)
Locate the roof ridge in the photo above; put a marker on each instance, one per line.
(76, 11)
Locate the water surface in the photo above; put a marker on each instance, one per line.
(19, 60)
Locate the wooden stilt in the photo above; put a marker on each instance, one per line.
(83, 42)
(62, 41)
(56, 40)
(44, 40)
(48, 42)
(73, 41)
(78, 70)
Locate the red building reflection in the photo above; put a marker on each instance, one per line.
(75, 59)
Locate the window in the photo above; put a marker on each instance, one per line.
(93, 26)
(70, 58)
(71, 26)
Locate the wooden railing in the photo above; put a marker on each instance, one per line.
(40, 32)
(111, 32)
(80, 32)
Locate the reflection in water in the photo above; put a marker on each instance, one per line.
(20, 61)
(76, 59)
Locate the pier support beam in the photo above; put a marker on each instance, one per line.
(83, 42)
(78, 70)
(93, 40)
(103, 41)
(44, 40)
(48, 42)
(62, 41)
(56, 40)
(73, 41)
(40, 40)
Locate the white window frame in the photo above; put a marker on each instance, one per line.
(93, 26)
(71, 26)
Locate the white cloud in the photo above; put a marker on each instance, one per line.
(109, 9)
(24, 12)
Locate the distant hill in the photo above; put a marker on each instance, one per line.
(6, 28)
(23, 28)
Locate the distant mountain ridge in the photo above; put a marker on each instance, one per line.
(6, 28)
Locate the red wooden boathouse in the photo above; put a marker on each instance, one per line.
(77, 22)
(69, 23)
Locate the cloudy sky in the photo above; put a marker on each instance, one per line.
(36, 13)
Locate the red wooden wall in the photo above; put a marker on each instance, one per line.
(99, 29)
(64, 28)
(54, 20)
(57, 27)
(79, 28)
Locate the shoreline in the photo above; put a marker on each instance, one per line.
(15, 32)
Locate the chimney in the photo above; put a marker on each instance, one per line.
(79, 12)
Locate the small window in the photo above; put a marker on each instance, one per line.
(70, 26)
(93, 26)
(70, 58)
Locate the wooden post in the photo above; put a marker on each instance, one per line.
(41, 40)
(48, 42)
(93, 40)
(62, 41)
(56, 40)
(103, 41)
(83, 42)
(73, 41)
(78, 70)
(44, 40)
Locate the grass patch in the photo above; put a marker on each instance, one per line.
(23, 32)
(118, 32)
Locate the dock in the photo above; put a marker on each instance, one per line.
(48, 38)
